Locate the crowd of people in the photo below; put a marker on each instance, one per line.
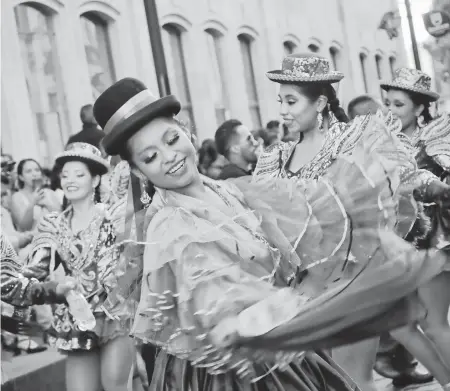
(302, 256)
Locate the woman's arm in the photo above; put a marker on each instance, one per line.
(23, 216)
(24, 286)
(49, 200)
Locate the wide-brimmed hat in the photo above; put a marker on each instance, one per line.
(125, 107)
(304, 68)
(412, 80)
(86, 153)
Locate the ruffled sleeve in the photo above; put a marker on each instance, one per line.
(434, 141)
(24, 286)
(196, 275)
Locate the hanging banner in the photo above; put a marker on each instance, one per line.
(390, 22)
(437, 23)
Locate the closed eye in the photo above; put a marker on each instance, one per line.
(149, 159)
(173, 139)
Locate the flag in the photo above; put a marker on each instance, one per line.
(390, 22)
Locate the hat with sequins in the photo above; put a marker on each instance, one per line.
(412, 80)
(299, 68)
(86, 153)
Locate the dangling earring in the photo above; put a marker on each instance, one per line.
(93, 196)
(145, 198)
(320, 121)
(421, 121)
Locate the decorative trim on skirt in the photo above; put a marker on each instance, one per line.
(315, 372)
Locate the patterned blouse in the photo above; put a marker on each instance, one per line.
(341, 139)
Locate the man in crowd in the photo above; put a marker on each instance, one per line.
(393, 360)
(362, 105)
(90, 133)
(236, 143)
(274, 133)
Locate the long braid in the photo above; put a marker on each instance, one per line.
(334, 103)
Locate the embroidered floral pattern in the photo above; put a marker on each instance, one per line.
(412, 78)
(305, 68)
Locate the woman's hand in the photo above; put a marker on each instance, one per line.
(225, 333)
(436, 191)
(66, 285)
(48, 199)
(25, 239)
(36, 197)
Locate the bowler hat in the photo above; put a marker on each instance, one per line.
(126, 107)
(305, 68)
(412, 80)
(86, 153)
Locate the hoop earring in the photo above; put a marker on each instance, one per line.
(421, 122)
(320, 121)
(145, 198)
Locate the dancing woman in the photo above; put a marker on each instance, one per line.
(219, 257)
(82, 240)
(408, 97)
(310, 109)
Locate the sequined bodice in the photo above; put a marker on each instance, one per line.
(88, 255)
(317, 166)
(275, 160)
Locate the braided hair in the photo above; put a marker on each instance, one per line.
(421, 100)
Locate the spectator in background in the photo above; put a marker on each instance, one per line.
(7, 167)
(362, 105)
(210, 163)
(274, 133)
(260, 136)
(235, 141)
(19, 240)
(90, 133)
(287, 136)
(32, 200)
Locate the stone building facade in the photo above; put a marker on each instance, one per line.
(439, 48)
(58, 55)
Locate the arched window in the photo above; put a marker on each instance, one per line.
(363, 63)
(176, 64)
(43, 78)
(313, 48)
(334, 55)
(216, 74)
(98, 52)
(379, 66)
(289, 47)
(246, 44)
(392, 65)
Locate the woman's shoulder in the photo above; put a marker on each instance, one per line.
(273, 157)
(435, 140)
(168, 218)
(19, 197)
(277, 147)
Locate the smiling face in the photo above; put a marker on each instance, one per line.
(298, 111)
(163, 153)
(402, 106)
(77, 181)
